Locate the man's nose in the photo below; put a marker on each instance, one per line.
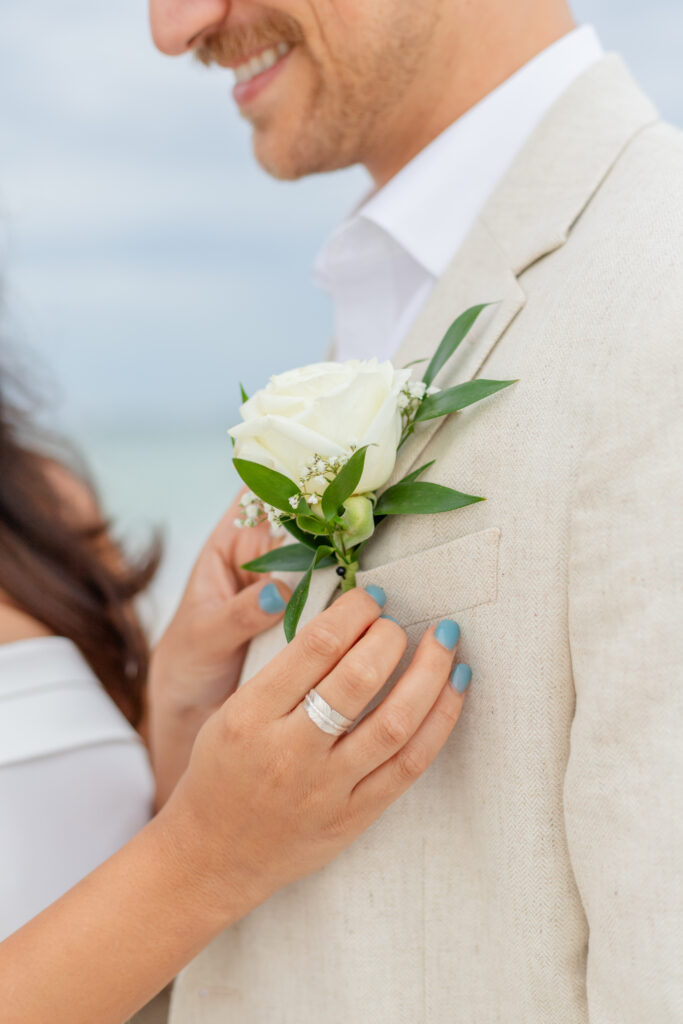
(178, 25)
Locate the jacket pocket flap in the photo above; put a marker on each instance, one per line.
(462, 573)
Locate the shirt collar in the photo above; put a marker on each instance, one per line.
(430, 205)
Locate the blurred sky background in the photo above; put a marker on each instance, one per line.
(148, 265)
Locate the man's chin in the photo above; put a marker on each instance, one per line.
(281, 160)
(291, 161)
(277, 166)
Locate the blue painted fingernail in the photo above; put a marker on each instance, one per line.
(270, 600)
(391, 619)
(377, 594)
(460, 677)
(447, 633)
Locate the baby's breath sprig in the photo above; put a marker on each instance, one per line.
(411, 398)
(254, 511)
(318, 473)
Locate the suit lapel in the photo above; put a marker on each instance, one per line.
(529, 216)
(479, 273)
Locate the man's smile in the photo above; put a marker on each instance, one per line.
(254, 74)
(253, 66)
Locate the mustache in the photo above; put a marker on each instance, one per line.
(231, 46)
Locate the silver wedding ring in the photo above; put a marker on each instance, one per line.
(325, 717)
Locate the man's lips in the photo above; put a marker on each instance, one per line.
(255, 74)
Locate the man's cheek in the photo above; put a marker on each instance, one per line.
(293, 94)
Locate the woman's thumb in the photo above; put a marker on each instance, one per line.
(256, 608)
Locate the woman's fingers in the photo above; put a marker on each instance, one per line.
(379, 789)
(388, 728)
(315, 650)
(357, 678)
(253, 610)
(218, 568)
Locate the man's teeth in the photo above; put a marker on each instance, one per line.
(257, 65)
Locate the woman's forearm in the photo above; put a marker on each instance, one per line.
(117, 938)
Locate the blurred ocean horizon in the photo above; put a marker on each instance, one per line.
(177, 482)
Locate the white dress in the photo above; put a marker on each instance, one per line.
(75, 779)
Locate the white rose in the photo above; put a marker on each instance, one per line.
(325, 409)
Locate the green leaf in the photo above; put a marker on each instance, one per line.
(296, 605)
(462, 395)
(412, 477)
(422, 499)
(415, 362)
(245, 396)
(409, 479)
(271, 487)
(452, 338)
(303, 538)
(289, 558)
(307, 539)
(311, 524)
(297, 601)
(344, 483)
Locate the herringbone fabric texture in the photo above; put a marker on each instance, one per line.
(533, 876)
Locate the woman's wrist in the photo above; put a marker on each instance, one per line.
(176, 694)
(176, 710)
(216, 889)
(171, 737)
(173, 726)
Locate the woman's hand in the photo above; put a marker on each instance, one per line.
(198, 660)
(197, 663)
(268, 797)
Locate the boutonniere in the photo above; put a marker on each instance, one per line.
(317, 444)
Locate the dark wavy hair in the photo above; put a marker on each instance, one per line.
(63, 572)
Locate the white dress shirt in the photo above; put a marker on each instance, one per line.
(75, 779)
(380, 265)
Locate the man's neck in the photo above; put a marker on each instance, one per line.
(472, 73)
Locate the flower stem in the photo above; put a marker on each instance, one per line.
(349, 580)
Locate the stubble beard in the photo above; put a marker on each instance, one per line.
(351, 108)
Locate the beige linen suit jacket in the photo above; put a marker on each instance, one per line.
(533, 875)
